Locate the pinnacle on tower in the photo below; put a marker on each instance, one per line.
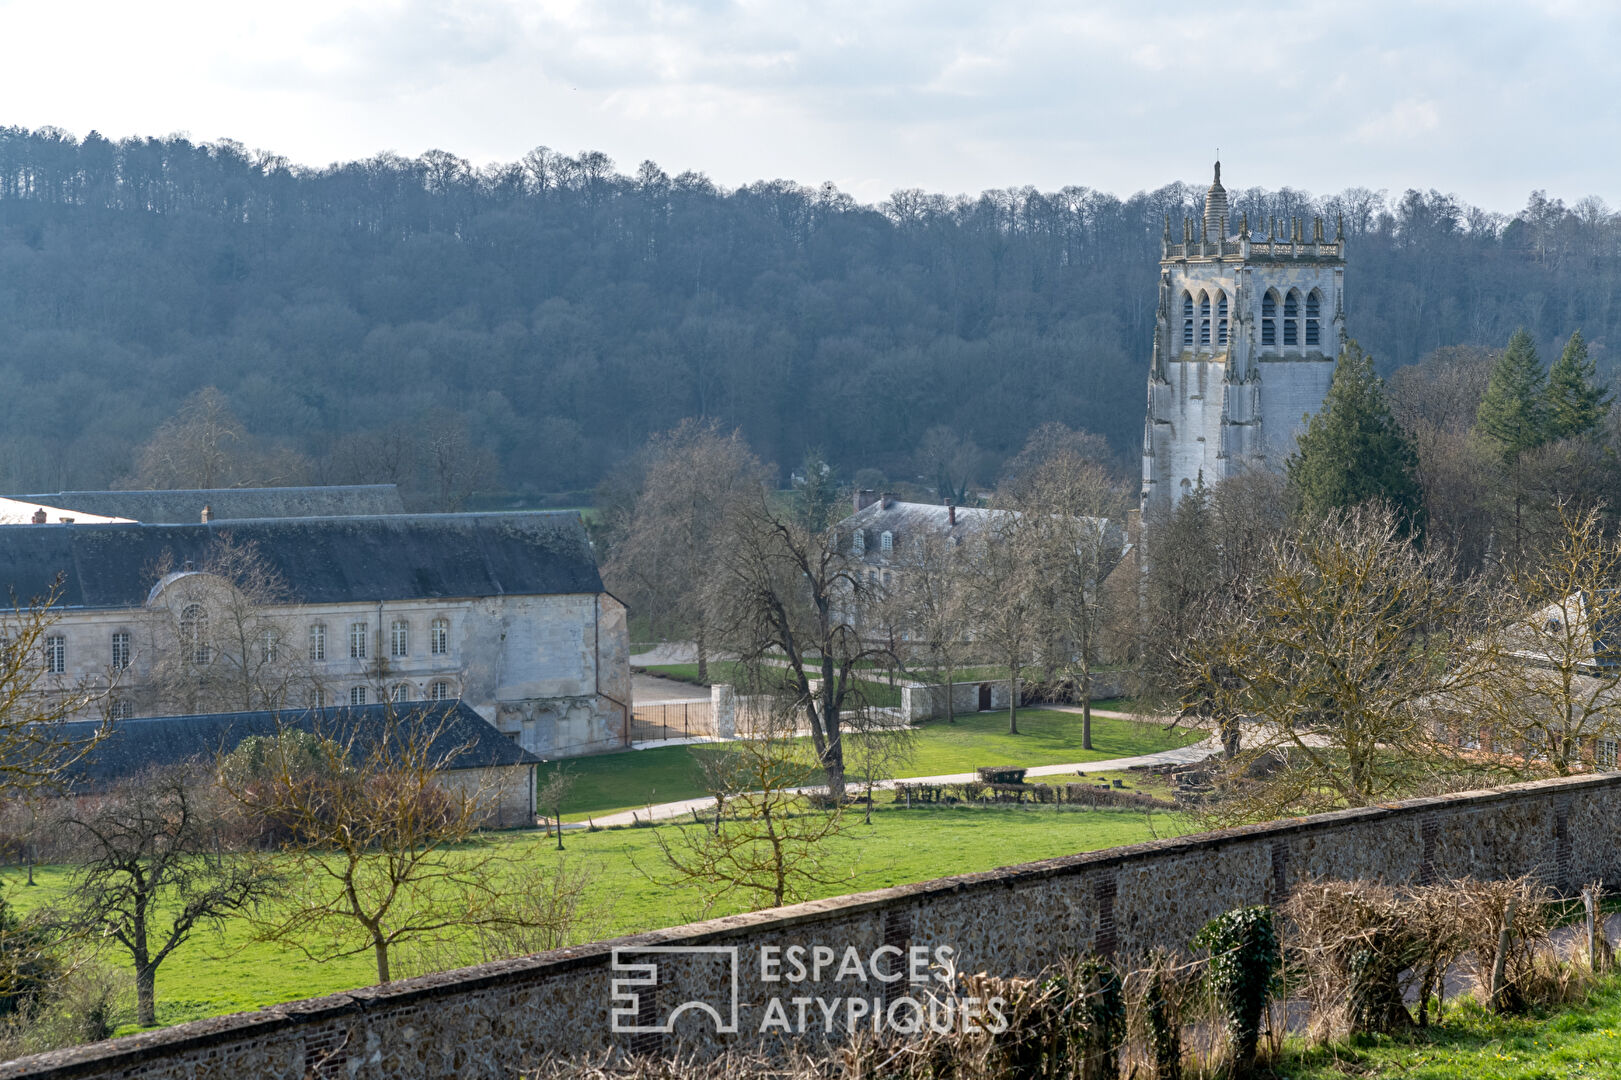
(1215, 207)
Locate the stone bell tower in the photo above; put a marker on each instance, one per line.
(1245, 339)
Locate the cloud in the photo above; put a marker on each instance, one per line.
(1402, 122)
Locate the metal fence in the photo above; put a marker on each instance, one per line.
(671, 720)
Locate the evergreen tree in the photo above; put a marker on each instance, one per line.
(1513, 416)
(1353, 450)
(1576, 403)
(817, 494)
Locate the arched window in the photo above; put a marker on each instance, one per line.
(440, 691)
(1291, 318)
(1221, 321)
(357, 695)
(358, 633)
(1204, 321)
(270, 645)
(401, 692)
(1314, 304)
(318, 641)
(1187, 320)
(399, 638)
(194, 633)
(1269, 319)
(439, 637)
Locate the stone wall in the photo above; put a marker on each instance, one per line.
(927, 701)
(489, 1021)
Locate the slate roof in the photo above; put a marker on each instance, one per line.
(322, 560)
(144, 743)
(185, 507)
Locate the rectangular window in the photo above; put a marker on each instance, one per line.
(440, 691)
(358, 632)
(318, 642)
(402, 692)
(357, 695)
(121, 710)
(439, 637)
(1204, 331)
(1290, 336)
(317, 698)
(120, 650)
(1313, 335)
(56, 654)
(1269, 332)
(399, 638)
(1604, 755)
(270, 646)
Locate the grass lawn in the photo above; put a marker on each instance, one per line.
(1578, 1041)
(623, 781)
(212, 975)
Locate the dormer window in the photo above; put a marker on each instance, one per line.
(886, 542)
(858, 543)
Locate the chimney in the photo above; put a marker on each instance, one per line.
(865, 497)
(951, 513)
(208, 513)
(39, 516)
(65, 520)
(889, 499)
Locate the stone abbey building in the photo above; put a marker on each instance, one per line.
(1247, 332)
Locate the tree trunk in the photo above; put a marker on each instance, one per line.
(380, 947)
(703, 659)
(1086, 707)
(146, 1010)
(1013, 701)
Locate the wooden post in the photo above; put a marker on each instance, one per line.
(1500, 963)
(1595, 927)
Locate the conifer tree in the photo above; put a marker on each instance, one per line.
(1576, 402)
(1353, 450)
(1513, 414)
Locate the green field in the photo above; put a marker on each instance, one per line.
(212, 975)
(630, 779)
(1577, 1041)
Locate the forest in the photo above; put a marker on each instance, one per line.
(545, 316)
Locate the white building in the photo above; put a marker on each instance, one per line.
(1245, 341)
(504, 612)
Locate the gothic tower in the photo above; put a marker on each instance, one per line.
(1245, 341)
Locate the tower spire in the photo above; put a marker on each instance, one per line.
(1215, 208)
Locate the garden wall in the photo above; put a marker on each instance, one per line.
(489, 1021)
(927, 701)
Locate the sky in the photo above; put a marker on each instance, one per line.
(1484, 100)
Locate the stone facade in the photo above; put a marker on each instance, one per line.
(1245, 339)
(492, 1020)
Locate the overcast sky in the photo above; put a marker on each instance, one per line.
(1481, 99)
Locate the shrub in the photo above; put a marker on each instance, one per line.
(1242, 970)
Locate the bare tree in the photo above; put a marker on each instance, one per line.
(880, 747)
(695, 475)
(1556, 685)
(205, 445)
(789, 602)
(221, 642)
(1344, 650)
(934, 609)
(1070, 512)
(768, 840)
(379, 852)
(149, 874)
(456, 466)
(557, 788)
(37, 697)
(1005, 593)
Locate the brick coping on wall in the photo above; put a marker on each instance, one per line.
(132, 1051)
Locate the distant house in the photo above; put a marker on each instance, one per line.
(505, 612)
(884, 531)
(182, 507)
(478, 758)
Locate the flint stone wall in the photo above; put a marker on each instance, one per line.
(927, 701)
(490, 1021)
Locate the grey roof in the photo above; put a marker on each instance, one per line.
(140, 744)
(322, 560)
(906, 520)
(185, 507)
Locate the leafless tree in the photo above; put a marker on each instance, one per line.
(1070, 514)
(1004, 591)
(880, 748)
(934, 608)
(149, 874)
(221, 642)
(379, 851)
(770, 842)
(1344, 650)
(205, 445)
(788, 601)
(456, 466)
(553, 793)
(694, 477)
(1556, 685)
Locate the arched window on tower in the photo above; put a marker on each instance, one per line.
(1204, 321)
(1221, 321)
(1269, 319)
(1291, 318)
(1187, 321)
(1314, 305)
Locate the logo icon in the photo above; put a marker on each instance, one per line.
(712, 966)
